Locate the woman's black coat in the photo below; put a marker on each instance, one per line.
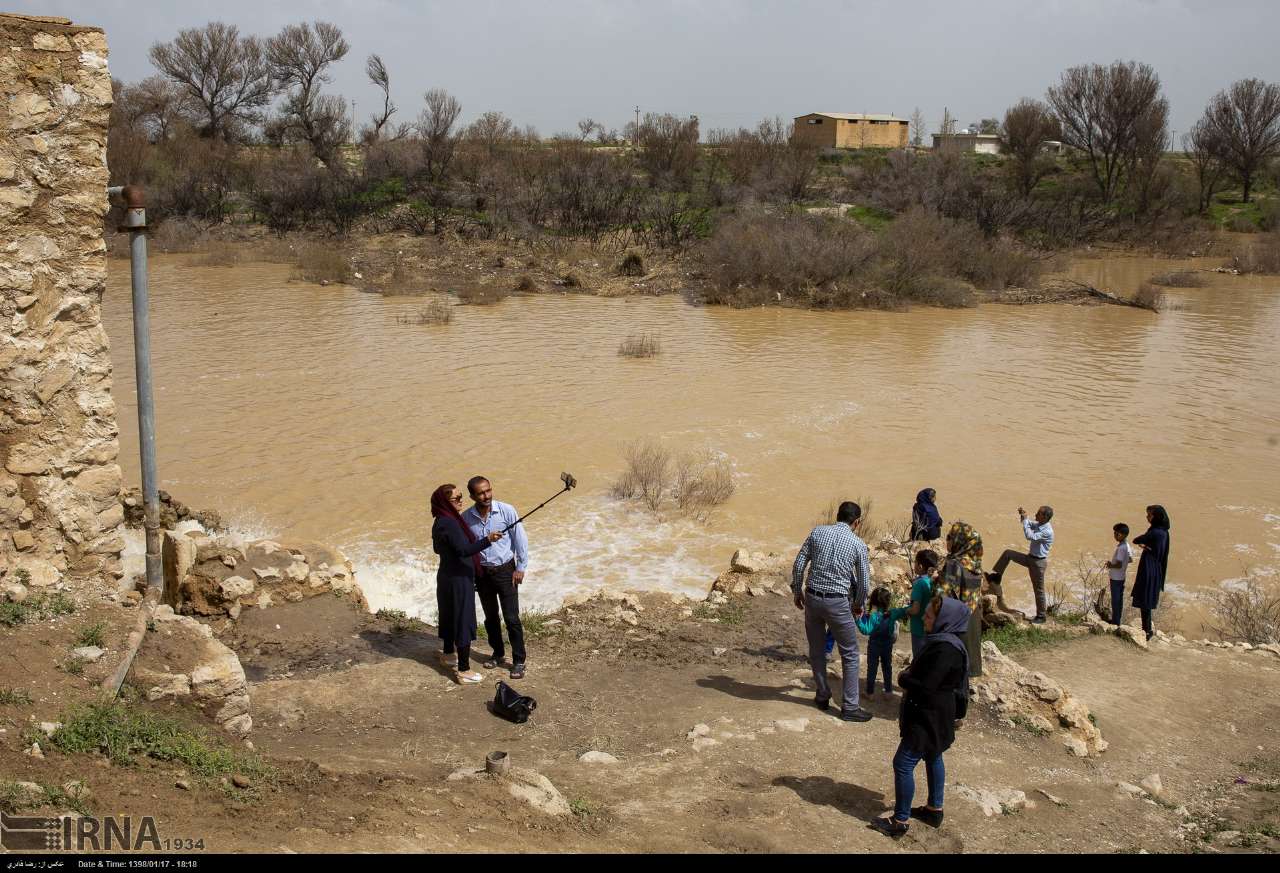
(928, 716)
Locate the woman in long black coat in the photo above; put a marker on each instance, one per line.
(927, 721)
(1152, 566)
(458, 549)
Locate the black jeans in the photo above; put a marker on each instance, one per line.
(496, 589)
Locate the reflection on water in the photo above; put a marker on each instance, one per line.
(312, 411)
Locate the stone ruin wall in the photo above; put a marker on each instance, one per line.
(60, 511)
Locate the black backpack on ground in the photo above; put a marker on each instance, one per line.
(512, 705)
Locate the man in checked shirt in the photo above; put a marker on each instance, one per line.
(839, 578)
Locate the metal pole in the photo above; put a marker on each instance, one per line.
(131, 197)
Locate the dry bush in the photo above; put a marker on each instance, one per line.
(693, 483)
(1261, 255)
(1242, 224)
(702, 482)
(872, 530)
(221, 254)
(482, 295)
(1150, 296)
(438, 310)
(1249, 614)
(640, 346)
(1178, 279)
(570, 280)
(526, 285)
(647, 476)
(323, 263)
(175, 235)
(755, 257)
(632, 265)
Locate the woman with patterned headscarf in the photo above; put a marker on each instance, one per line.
(962, 580)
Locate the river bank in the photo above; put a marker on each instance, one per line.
(668, 724)
(477, 271)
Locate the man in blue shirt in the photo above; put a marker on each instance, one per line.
(834, 596)
(1039, 534)
(502, 567)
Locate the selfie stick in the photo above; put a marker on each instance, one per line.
(569, 484)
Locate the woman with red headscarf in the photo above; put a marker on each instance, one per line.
(459, 552)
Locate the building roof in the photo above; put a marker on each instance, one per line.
(853, 115)
(967, 135)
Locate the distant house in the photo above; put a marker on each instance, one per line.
(847, 130)
(979, 143)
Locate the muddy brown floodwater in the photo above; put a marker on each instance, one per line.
(311, 412)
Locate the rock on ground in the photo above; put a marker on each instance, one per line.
(1022, 695)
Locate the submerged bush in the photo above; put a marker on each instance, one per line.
(642, 346)
(1179, 279)
(692, 483)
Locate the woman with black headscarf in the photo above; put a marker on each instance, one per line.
(459, 552)
(1152, 566)
(934, 683)
(926, 522)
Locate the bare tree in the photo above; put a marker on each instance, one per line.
(439, 145)
(1027, 124)
(226, 75)
(1245, 125)
(492, 132)
(918, 128)
(379, 122)
(1151, 141)
(300, 56)
(668, 147)
(948, 125)
(1203, 150)
(1102, 111)
(588, 126)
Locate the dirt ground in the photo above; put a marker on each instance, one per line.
(365, 728)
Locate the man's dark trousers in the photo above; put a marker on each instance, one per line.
(495, 588)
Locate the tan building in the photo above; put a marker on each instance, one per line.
(847, 130)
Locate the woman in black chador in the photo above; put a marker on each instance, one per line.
(1152, 566)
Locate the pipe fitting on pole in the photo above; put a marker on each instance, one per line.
(133, 199)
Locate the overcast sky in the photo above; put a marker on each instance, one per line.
(731, 62)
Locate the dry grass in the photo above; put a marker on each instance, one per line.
(1249, 614)
(640, 346)
(691, 483)
(323, 264)
(175, 235)
(481, 295)
(221, 254)
(438, 310)
(526, 285)
(1179, 279)
(1261, 255)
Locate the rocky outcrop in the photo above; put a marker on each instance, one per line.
(172, 512)
(1036, 702)
(59, 481)
(180, 661)
(209, 577)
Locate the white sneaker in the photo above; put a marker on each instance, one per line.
(469, 678)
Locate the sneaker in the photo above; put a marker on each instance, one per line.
(823, 703)
(858, 714)
(1039, 619)
(517, 671)
(891, 827)
(931, 817)
(468, 678)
